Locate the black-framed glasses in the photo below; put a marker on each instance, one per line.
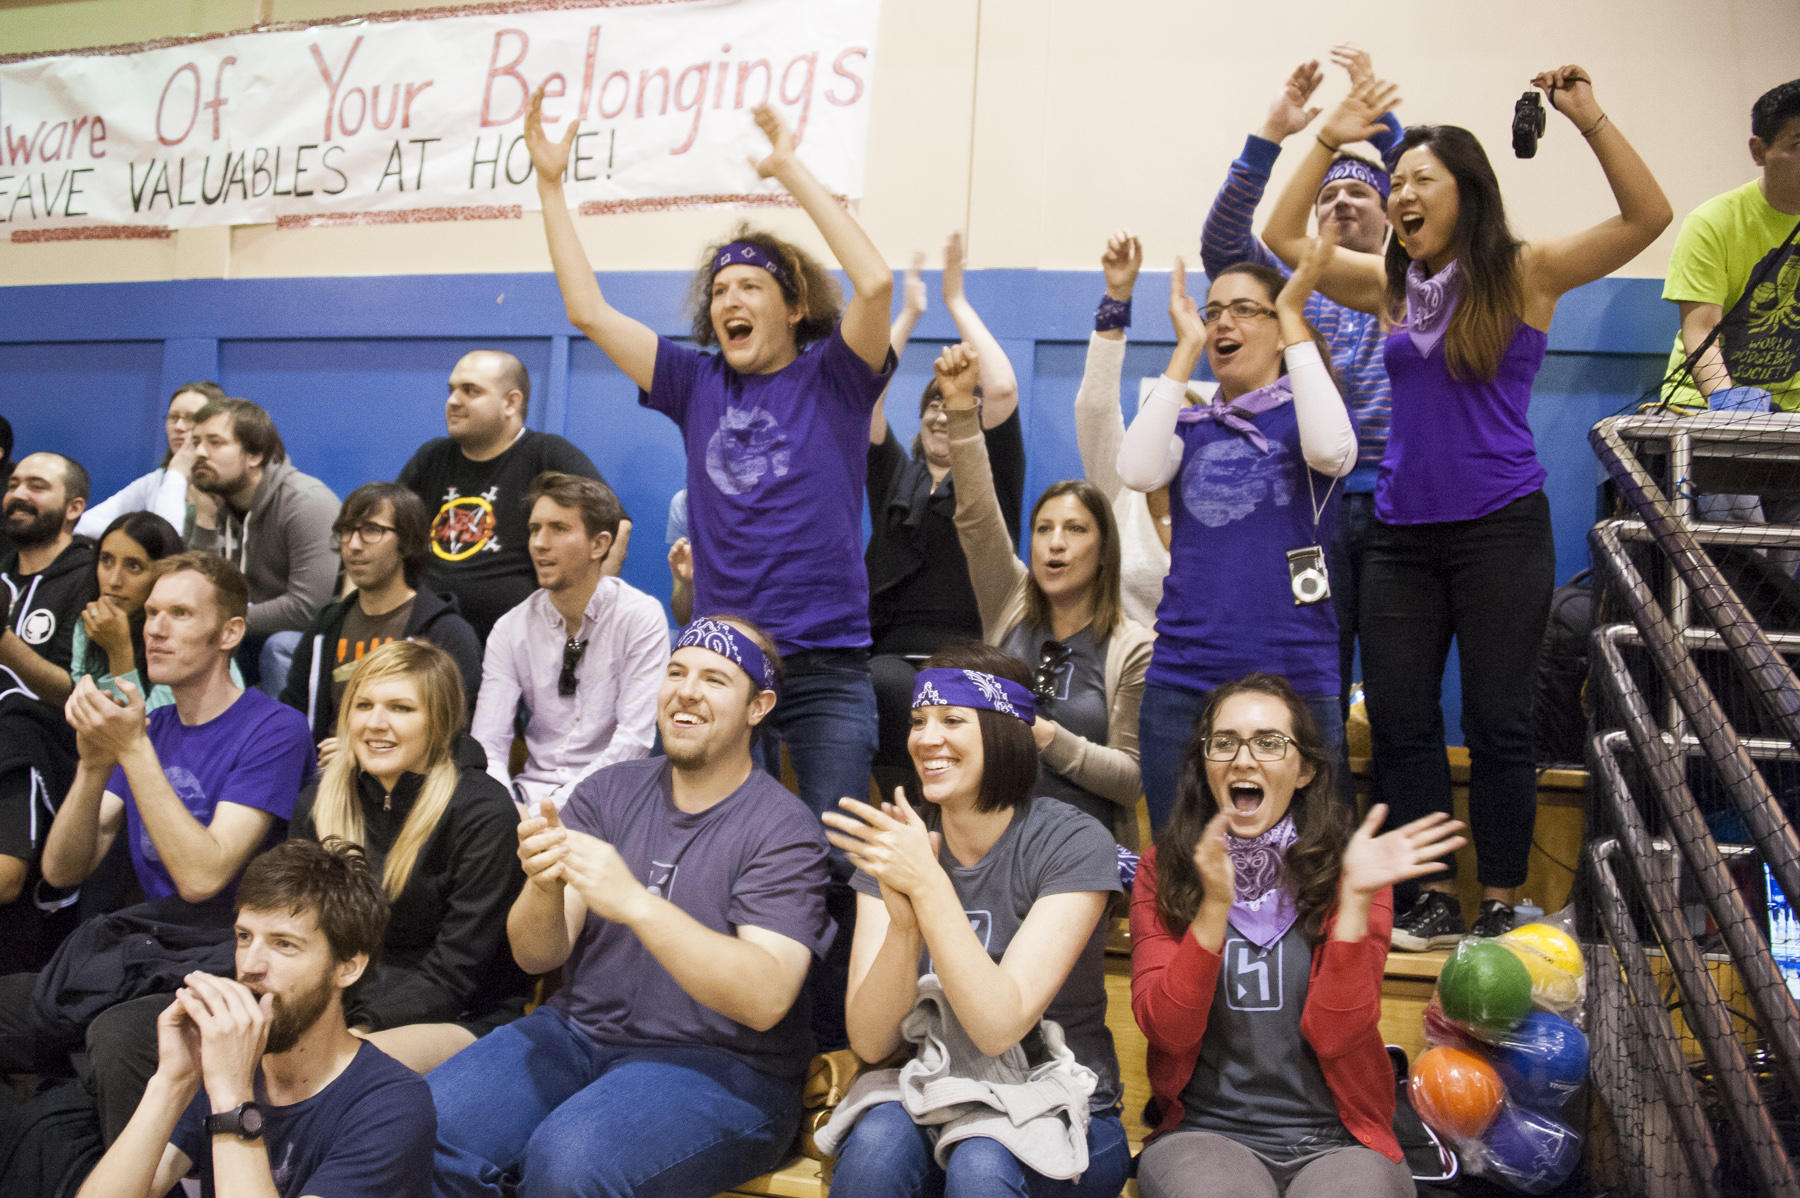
(572, 651)
(369, 533)
(1239, 309)
(1051, 660)
(1264, 746)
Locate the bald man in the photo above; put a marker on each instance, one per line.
(47, 578)
(474, 483)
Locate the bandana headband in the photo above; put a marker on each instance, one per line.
(972, 688)
(743, 253)
(1362, 172)
(728, 642)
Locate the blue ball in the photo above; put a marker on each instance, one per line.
(1543, 1061)
(1533, 1152)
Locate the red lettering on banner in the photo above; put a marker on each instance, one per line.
(838, 68)
(703, 71)
(217, 102)
(644, 78)
(412, 90)
(75, 135)
(96, 135)
(724, 70)
(804, 99)
(623, 100)
(362, 112)
(193, 116)
(744, 69)
(334, 84)
(562, 86)
(587, 73)
(45, 153)
(375, 106)
(20, 150)
(511, 71)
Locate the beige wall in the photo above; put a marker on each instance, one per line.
(1042, 125)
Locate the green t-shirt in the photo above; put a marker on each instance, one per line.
(1722, 244)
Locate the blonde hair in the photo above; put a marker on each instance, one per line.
(338, 812)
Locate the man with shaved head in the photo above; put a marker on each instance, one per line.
(474, 483)
(47, 578)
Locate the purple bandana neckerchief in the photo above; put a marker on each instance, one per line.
(1264, 909)
(1430, 302)
(1236, 414)
(734, 646)
(972, 688)
(743, 253)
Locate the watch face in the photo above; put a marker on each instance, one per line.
(250, 1119)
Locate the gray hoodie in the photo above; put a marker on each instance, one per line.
(283, 546)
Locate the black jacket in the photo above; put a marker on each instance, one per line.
(42, 608)
(445, 955)
(434, 618)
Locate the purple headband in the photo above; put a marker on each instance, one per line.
(1362, 172)
(743, 253)
(728, 642)
(972, 688)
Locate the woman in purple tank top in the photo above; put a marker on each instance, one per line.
(1462, 546)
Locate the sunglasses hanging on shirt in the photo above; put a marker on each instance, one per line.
(572, 651)
(1053, 657)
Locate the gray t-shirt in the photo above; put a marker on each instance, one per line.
(1257, 1080)
(1079, 705)
(1049, 848)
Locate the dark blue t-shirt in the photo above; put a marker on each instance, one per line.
(775, 470)
(256, 753)
(370, 1133)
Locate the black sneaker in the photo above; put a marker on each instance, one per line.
(1433, 921)
(1496, 919)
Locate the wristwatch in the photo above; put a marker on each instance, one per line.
(245, 1121)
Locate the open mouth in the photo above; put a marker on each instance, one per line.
(1246, 798)
(686, 719)
(737, 333)
(1411, 223)
(380, 746)
(1225, 347)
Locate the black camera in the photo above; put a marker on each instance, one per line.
(1528, 124)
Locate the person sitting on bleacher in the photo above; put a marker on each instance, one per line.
(683, 899)
(1001, 898)
(1259, 932)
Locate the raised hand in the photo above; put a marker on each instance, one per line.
(781, 142)
(329, 748)
(178, 1047)
(1305, 279)
(549, 158)
(1288, 113)
(108, 626)
(1358, 116)
(681, 560)
(234, 1029)
(543, 844)
(953, 270)
(1190, 330)
(914, 296)
(957, 373)
(1372, 862)
(105, 728)
(1571, 91)
(1213, 863)
(1355, 61)
(891, 846)
(1123, 258)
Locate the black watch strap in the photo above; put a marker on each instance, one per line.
(245, 1121)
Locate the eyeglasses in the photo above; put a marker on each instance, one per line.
(572, 651)
(1264, 746)
(1239, 309)
(368, 534)
(1054, 657)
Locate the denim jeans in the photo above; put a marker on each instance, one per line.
(890, 1156)
(1166, 719)
(540, 1100)
(1349, 544)
(1486, 582)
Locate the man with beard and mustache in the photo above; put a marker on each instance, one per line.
(259, 1085)
(49, 576)
(684, 899)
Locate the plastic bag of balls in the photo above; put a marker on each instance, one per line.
(1506, 1056)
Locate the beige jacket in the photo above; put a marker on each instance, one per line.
(998, 576)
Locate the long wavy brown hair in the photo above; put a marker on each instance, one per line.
(808, 286)
(1325, 823)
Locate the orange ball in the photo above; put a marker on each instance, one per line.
(1457, 1093)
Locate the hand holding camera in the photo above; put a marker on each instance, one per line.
(1571, 90)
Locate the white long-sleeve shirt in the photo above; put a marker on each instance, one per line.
(1099, 427)
(611, 716)
(161, 491)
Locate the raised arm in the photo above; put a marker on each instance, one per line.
(1226, 236)
(913, 303)
(1099, 421)
(1150, 454)
(1327, 438)
(630, 343)
(1558, 264)
(999, 385)
(995, 570)
(1353, 279)
(865, 323)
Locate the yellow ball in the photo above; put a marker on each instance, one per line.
(1553, 960)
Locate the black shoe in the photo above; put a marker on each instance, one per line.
(1496, 919)
(1433, 921)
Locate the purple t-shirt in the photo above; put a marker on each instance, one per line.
(1228, 603)
(1458, 448)
(256, 753)
(775, 471)
(754, 859)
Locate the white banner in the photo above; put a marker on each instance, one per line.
(398, 119)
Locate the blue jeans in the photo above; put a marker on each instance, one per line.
(540, 1100)
(1166, 720)
(890, 1156)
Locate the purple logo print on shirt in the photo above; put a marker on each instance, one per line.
(749, 446)
(187, 788)
(1228, 478)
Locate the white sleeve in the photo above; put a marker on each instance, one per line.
(1327, 438)
(170, 501)
(1150, 454)
(137, 496)
(1099, 424)
(498, 700)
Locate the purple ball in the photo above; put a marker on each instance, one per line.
(1533, 1152)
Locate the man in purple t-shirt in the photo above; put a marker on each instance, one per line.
(683, 897)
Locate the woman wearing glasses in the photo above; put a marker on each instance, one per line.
(166, 490)
(1259, 931)
(1252, 481)
(1062, 613)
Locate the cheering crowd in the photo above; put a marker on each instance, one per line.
(300, 801)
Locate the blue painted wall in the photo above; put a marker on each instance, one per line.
(354, 370)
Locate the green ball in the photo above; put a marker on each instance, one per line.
(1485, 987)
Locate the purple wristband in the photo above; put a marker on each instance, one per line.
(1112, 314)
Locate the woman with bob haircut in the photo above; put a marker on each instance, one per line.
(1462, 546)
(1259, 932)
(1000, 895)
(441, 837)
(1063, 613)
(108, 641)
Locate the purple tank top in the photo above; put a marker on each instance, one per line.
(1458, 448)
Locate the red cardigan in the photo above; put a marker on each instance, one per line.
(1172, 985)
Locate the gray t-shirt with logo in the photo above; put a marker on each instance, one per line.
(1049, 848)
